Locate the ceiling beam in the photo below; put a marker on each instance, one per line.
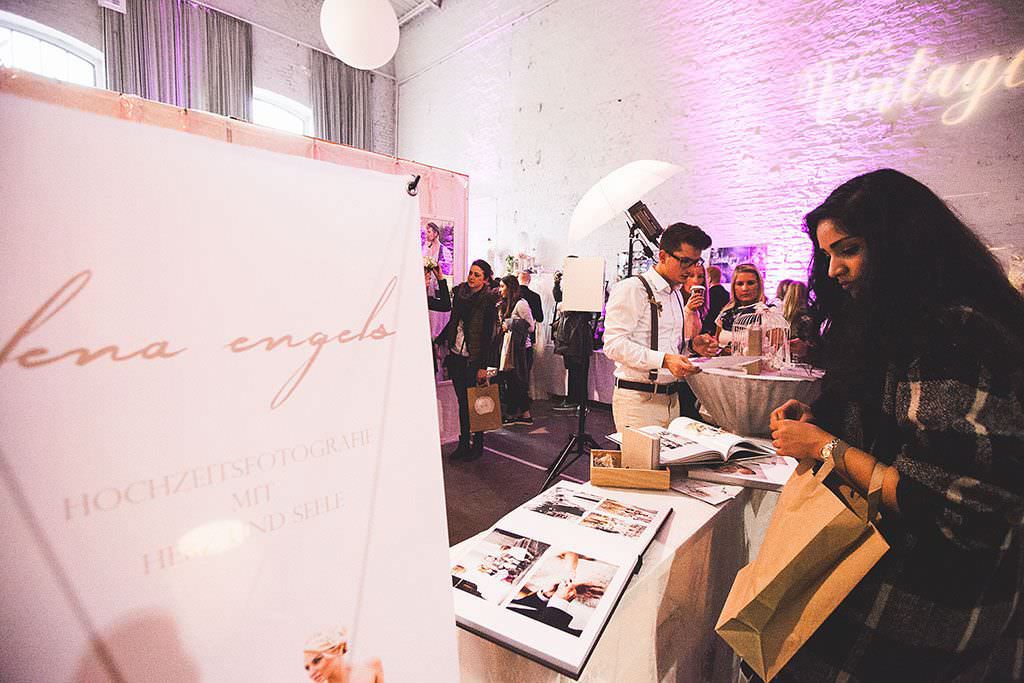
(417, 10)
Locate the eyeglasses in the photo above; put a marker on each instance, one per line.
(685, 261)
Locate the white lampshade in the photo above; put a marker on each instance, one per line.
(361, 33)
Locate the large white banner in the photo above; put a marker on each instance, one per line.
(218, 434)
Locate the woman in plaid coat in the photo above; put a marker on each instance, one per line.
(924, 356)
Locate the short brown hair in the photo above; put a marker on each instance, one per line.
(678, 234)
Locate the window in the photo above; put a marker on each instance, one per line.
(29, 45)
(277, 111)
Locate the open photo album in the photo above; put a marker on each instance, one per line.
(688, 442)
(545, 579)
(770, 472)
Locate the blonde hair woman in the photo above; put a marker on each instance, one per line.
(325, 661)
(747, 292)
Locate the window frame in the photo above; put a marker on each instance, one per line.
(287, 104)
(68, 43)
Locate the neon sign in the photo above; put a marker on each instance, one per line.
(921, 80)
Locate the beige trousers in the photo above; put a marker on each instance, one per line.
(641, 408)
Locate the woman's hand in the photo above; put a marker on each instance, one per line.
(799, 439)
(705, 345)
(481, 376)
(695, 301)
(791, 410)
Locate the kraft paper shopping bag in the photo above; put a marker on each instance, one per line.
(815, 551)
(484, 408)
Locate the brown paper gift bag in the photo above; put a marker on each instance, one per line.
(816, 549)
(484, 408)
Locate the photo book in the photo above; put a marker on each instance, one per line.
(545, 579)
(770, 472)
(689, 442)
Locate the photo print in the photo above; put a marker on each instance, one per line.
(562, 503)
(564, 591)
(437, 243)
(630, 512)
(495, 564)
(727, 258)
(613, 525)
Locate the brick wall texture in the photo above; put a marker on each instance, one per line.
(767, 106)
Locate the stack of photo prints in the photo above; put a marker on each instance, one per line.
(545, 579)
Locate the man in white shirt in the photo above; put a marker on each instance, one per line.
(647, 379)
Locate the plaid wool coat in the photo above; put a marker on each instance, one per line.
(944, 603)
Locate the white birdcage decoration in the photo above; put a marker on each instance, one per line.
(763, 333)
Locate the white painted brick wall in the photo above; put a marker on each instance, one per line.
(537, 112)
(279, 64)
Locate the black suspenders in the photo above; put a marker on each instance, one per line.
(655, 307)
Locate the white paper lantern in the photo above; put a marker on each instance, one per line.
(361, 33)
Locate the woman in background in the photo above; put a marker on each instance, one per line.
(469, 336)
(747, 293)
(923, 348)
(803, 332)
(780, 291)
(696, 305)
(516, 321)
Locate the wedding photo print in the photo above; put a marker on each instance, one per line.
(564, 591)
(630, 512)
(437, 242)
(613, 525)
(562, 503)
(497, 563)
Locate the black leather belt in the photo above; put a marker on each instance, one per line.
(649, 388)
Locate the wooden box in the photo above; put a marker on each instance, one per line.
(606, 470)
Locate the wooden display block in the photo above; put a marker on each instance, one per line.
(640, 450)
(606, 470)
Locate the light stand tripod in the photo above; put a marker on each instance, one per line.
(580, 440)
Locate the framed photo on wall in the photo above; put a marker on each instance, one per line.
(727, 258)
(437, 242)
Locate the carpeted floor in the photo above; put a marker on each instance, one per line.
(512, 468)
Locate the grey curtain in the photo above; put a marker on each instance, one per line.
(180, 53)
(341, 102)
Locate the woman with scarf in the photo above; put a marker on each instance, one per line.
(469, 336)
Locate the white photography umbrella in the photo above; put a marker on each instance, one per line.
(616, 192)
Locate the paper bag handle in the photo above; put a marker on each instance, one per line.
(875, 490)
(874, 495)
(824, 470)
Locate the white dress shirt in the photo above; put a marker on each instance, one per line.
(627, 328)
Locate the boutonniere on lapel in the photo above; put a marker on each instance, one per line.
(655, 303)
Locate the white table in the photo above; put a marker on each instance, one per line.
(664, 627)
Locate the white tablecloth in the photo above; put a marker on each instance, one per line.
(549, 376)
(742, 403)
(663, 628)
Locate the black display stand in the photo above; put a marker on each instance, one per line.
(578, 441)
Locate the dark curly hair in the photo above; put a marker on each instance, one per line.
(921, 260)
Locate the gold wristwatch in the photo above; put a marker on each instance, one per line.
(833, 452)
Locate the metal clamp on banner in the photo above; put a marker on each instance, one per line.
(411, 187)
